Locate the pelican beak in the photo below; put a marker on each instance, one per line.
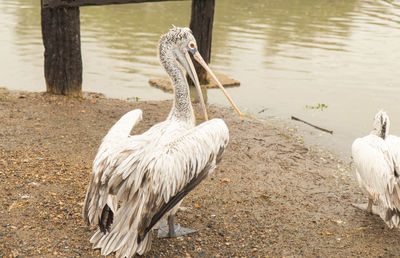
(201, 61)
(187, 63)
(193, 75)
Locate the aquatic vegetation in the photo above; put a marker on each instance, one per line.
(318, 106)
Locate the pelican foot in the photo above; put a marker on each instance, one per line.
(164, 231)
(364, 207)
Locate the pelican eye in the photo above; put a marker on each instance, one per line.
(192, 45)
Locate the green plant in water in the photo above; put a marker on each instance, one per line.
(136, 99)
(318, 106)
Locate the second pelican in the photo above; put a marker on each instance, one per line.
(377, 160)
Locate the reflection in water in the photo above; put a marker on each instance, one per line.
(126, 46)
(21, 49)
(287, 54)
(298, 23)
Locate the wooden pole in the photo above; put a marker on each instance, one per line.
(201, 24)
(62, 50)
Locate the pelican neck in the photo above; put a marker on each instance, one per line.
(182, 107)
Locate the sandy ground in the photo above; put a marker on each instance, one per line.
(272, 194)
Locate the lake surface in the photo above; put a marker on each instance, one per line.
(289, 55)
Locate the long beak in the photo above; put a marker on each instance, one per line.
(193, 75)
(201, 61)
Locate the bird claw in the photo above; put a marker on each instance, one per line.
(163, 230)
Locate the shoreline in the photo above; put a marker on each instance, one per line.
(305, 133)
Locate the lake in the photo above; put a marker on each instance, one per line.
(289, 55)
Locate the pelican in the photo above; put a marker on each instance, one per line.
(377, 160)
(139, 179)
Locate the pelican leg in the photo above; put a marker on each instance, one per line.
(171, 226)
(368, 207)
(172, 230)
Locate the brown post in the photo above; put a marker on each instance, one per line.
(201, 24)
(62, 50)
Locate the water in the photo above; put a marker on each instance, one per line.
(288, 54)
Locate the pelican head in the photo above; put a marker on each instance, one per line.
(381, 124)
(177, 45)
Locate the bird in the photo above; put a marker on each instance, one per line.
(137, 180)
(377, 162)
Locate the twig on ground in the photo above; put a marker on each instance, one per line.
(262, 110)
(317, 127)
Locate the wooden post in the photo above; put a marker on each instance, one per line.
(201, 24)
(62, 50)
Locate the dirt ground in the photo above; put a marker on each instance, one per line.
(272, 194)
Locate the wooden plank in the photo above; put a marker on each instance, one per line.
(77, 3)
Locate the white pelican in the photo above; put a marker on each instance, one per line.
(377, 160)
(139, 179)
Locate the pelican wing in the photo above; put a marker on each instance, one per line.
(182, 166)
(122, 128)
(108, 157)
(149, 182)
(376, 172)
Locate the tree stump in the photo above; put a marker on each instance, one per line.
(62, 50)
